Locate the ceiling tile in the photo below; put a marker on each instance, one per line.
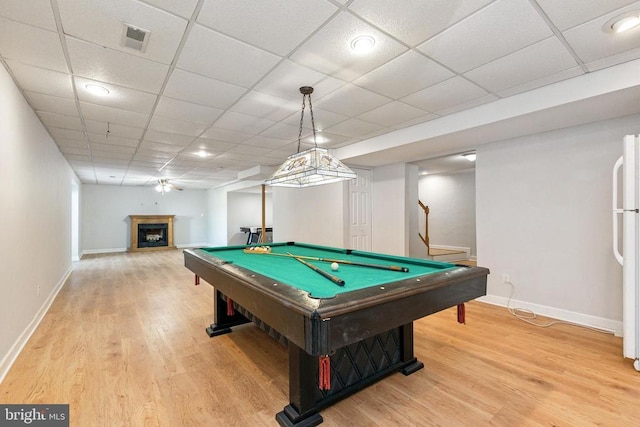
(283, 131)
(497, 30)
(266, 106)
(424, 73)
(464, 105)
(285, 80)
(72, 143)
(534, 62)
(52, 104)
(176, 126)
(392, 114)
(266, 142)
(591, 43)
(323, 119)
(251, 150)
(103, 22)
(547, 80)
(39, 80)
(609, 61)
(184, 8)
(569, 13)
(276, 29)
(187, 111)
(213, 145)
(168, 137)
(202, 90)
(242, 123)
(111, 148)
(111, 66)
(31, 45)
(329, 50)
(160, 147)
(226, 135)
(113, 115)
(118, 97)
(354, 127)
(153, 156)
(77, 154)
(101, 128)
(416, 20)
(249, 64)
(66, 134)
(101, 138)
(351, 100)
(60, 121)
(444, 95)
(32, 12)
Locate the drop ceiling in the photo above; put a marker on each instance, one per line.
(215, 91)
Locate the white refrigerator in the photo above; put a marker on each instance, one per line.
(626, 171)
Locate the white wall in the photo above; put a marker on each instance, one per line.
(393, 208)
(245, 209)
(544, 218)
(35, 220)
(217, 207)
(451, 198)
(106, 208)
(311, 215)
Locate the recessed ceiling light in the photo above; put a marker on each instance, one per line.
(97, 90)
(623, 22)
(363, 44)
(202, 153)
(470, 156)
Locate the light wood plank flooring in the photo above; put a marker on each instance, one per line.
(124, 345)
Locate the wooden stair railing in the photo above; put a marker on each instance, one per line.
(425, 239)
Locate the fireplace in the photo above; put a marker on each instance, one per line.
(151, 232)
(152, 235)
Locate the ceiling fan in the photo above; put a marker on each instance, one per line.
(164, 186)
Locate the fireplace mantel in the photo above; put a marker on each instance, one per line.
(137, 220)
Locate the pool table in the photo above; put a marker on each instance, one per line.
(340, 338)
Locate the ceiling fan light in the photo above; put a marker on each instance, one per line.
(159, 188)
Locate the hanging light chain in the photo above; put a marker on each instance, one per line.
(304, 97)
(313, 123)
(306, 91)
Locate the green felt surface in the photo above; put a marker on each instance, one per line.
(291, 272)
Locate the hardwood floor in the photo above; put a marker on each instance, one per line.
(124, 345)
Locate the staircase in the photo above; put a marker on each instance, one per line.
(440, 253)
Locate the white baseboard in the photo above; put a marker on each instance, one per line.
(102, 251)
(114, 250)
(193, 245)
(607, 325)
(8, 360)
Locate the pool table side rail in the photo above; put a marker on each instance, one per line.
(353, 316)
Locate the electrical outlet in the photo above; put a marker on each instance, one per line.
(506, 278)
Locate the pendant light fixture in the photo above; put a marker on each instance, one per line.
(314, 166)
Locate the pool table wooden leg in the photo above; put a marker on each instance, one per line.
(222, 322)
(407, 351)
(302, 409)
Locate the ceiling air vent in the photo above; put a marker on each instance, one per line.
(135, 37)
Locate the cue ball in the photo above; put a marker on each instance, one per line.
(334, 266)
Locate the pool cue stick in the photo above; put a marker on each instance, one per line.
(342, 261)
(338, 281)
